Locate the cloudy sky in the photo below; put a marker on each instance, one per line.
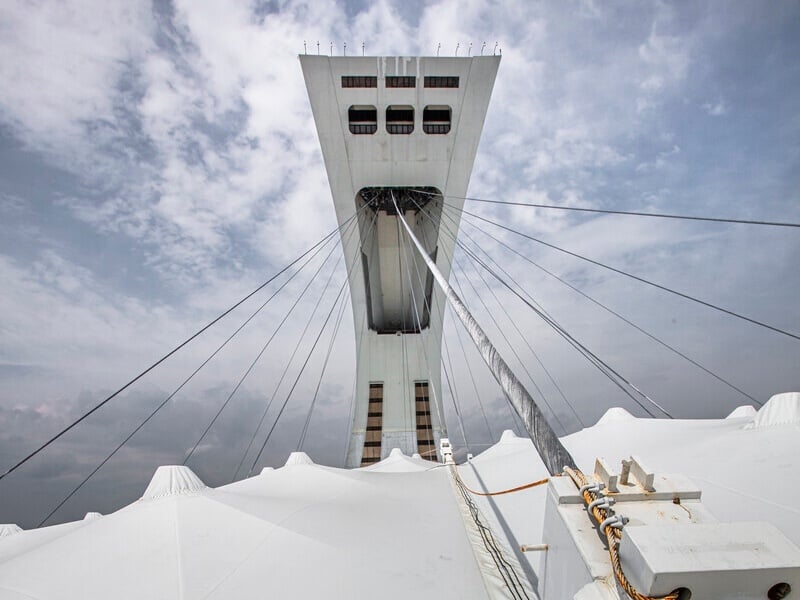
(158, 161)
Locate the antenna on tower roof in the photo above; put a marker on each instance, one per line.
(482, 47)
(363, 48)
(331, 48)
(457, 45)
(495, 49)
(317, 47)
(305, 50)
(469, 52)
(438, 48)
(344, 49)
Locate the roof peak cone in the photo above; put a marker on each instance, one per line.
(173, 480)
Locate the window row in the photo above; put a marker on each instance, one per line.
(399, 81)
(426, 446)
(372, 437)
(399, 119)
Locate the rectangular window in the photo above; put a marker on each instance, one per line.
(400, 119)
(401, 81)
(439, 81)
(426, 445)
(436, 119)
(372, 438)
(359, 81)
(363, 119)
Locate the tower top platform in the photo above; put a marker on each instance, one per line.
(399, 121)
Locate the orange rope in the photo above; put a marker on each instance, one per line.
(613, 536)
(514, 489)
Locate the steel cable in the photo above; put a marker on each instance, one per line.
(613, 536)
(550, 448)
(305, 363)
(174, 392)
(506, 570)
(527, 343)
(291, 358)
(622, 212)
(616, 314)
(436, 396)
(637, 278)
(453, 236)
(461, 344)
(456, 243)
(163, 358)
(614, 376)
(342, 306)
(299, 375)
(593, 358)
(494, 295)
(508, 343)
(450, 385)
(258, 357)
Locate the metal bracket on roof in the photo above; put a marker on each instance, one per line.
(644, 477)
(635, 468)
(604, 473)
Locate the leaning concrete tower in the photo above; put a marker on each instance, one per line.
(397, 133)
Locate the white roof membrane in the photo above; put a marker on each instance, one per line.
(781, 409)
(304, 531)
(394, 529)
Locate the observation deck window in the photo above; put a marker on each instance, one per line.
(363, 119)
(436, 119)
(440, 81)
(400, 119)
(401, 81)
(359, 81)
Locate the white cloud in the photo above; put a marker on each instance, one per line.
(664, 61)
(224, 119)
(716, 109)
(227, 133)
(62, 63)
(661, 160)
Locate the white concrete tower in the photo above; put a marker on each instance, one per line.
(404, 130)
